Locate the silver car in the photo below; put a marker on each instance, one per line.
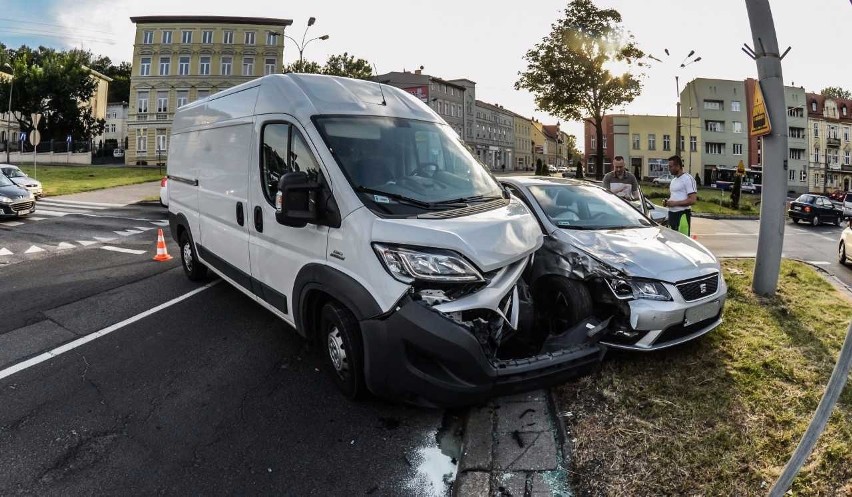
(21, 179)
(650, 287)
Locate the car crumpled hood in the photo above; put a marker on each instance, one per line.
(14, 192)
(654, 253)
(490, 240)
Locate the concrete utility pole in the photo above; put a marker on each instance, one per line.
(768, 58)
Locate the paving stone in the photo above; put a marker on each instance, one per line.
(510, 485)
(31, 340)
(533, 396)
(478, 440)
(541, 488)
(523, 416)
(472, 484)
(538, 452)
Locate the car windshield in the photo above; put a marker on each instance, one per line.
(405, 166)
(13, 172)
(4, 181)
(586, 208)
(806, 199)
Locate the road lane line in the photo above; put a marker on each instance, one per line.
(5, 251)
(5, 373)
(12, 223)
(77, 202)
(86, 243)
(122, 250)
(34, 250)
(50, 213)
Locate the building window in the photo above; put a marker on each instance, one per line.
(797, 153)
(186, 37)
(816, 154)
(183, 65)
(738, 126)
(797, 132)
(833, 132)
(182, 98)
(228, 37)
(792, 175)
(162, 101)
(148, 37)
(667, 142)
(846, 133)
(594, 143)
(167, 37)
(716, 126)
(713, 105)
(204, 65)
(844, 111)
(813, 106)
(604, 142)
(142, 102)
(207, 37)
(271, 38)
(738, 148)
(202, 94)
(735, 105)
(652, 142)
(714, 148)
(804, 177)
(165, 64)
(249, 37)
(269, 67)
(141, 140)
(796, 112)
(145, 66)
(227, 61)
(846, 158)
(162, 142)
(816, 129)
(248, 66)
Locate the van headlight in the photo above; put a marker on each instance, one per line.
(626, 289)
(407, 264)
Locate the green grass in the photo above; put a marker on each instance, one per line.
(720, 415)
(62, 180)
(710, 201)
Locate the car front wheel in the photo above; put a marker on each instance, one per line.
(815, 221)
(564, 303)
(841, 253)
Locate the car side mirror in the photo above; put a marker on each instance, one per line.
(296, 200)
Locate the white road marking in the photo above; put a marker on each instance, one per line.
(33, 218)
(5, 373)
(69, 208)
(725, 234)
(86, 243)
(819, 263)
(65, 246)
(5, 251)
(12, 223)
(123, 250)
(104, 239)
(34, 250)
(127, 233)
(77, 202)
(143, 228)
(160, 223)
(50, 213)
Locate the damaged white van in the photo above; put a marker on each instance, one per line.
(354, 213)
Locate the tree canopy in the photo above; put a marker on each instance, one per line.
(337, 65)
(573, 72)
(836, 92)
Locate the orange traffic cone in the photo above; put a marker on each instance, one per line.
(162, 253)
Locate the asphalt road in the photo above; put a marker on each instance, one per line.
(212, 395)
(735, 238)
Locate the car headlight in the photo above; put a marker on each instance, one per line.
(5, 200)
(407, 264)
(626, 289)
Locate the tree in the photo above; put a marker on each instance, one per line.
(568, 71)
(303, 66)
(836, 92)
(348, 66)
(736, 190)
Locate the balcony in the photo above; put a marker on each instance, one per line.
(832, 142)
(162, 117)
(141, 117)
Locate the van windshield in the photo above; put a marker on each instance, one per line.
(405, 166)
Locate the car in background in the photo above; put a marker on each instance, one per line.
(665, 179)
(21, 179)
(847, 205)
(748, 188)
(814, 209)
(15, 200)
(164, 191)
(845, 244)
(117, 152)
(603, 260)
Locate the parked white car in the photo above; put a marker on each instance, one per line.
(21, 179)
(164, 191)
(845, 244)
(663, 180)
(847, 205)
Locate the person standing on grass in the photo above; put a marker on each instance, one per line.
(683, 193)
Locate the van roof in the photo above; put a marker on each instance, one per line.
(303, 96)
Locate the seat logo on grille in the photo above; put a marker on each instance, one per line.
(703, 287)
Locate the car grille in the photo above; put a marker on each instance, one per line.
(23, 206)
(680, 331)
(698, 289)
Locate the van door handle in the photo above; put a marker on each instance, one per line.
(258, 219)
(241, 218)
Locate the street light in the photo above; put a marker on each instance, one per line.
(301, 46)
(9, 108)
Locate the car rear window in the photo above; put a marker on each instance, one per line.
(806, 199)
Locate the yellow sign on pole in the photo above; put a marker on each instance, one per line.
(760, 124)
(741, 168)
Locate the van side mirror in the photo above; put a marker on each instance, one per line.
(658, 216)
(296, 200)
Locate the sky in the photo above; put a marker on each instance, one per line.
(481, 40)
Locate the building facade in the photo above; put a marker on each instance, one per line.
(115, 132)
(523, 143)
(179, 59)
(494, 136)
(447, 98)
(591, 146)
(9, 125)
(829, 145)
(651, 142)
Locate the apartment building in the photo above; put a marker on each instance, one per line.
(652, 142)
(115, 131)
(523, 143)
(494, 136)
(179, 59)
(829, 145)
(591, 146)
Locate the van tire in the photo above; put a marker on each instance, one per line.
(343, 349)
(563, 303)
(194, 269)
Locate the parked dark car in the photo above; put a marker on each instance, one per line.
(814, 209)
(14, 200)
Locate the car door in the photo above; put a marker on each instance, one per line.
(825, 208)
(847, 205)
(279, 252)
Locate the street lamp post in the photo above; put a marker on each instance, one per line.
(9, 109)
(301, 46)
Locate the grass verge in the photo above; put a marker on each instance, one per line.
(710, 201)
(62, 180)
(720, 415)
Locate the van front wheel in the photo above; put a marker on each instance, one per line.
(344, 355)
(193, 268)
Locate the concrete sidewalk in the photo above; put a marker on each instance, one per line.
(119, 195)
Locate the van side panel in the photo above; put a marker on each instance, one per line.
(183, 172)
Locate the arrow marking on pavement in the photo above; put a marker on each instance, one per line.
(65, 246)
(5, 251)
(86, 243)
(105, 240)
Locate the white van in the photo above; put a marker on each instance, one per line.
(354, 213)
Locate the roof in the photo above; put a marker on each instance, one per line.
(265, 21)
(544, 180)
(496, 108)
(551, 130)
(304, 96)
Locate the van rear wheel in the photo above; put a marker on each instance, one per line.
(344, 355)
(193, 268)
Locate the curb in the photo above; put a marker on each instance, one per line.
(726, 217)
(824, 272)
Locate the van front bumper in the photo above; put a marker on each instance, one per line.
(418, 355)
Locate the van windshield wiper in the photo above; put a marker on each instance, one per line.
(475, 198)
(395, 196)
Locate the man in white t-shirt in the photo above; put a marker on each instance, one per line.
(683, 192)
